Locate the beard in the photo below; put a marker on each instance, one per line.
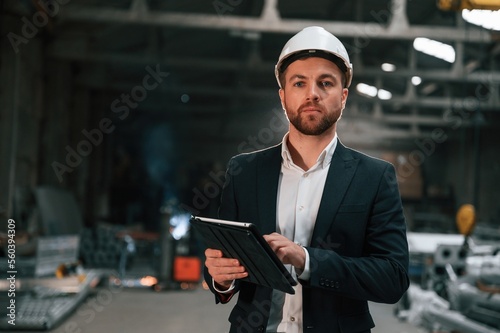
(313, 124)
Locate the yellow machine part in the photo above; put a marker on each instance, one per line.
(466, 219)
(457, 5)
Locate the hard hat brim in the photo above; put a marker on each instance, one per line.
(302, 54)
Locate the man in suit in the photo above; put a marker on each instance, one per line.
(331, 214)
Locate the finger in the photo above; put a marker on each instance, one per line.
(226, 280)
(213, 253)
(222, 262)
(273, 236)
(227, 270)
(222, 275)
(278, 242)
(294, 255)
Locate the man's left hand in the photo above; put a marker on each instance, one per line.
(286, 250)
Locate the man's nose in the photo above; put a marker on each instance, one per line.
(313, 93)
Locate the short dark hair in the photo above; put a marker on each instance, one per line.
(308, 54)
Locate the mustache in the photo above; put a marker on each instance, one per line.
(310, 105)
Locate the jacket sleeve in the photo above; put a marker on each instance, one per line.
(365, 254)
(227, 211)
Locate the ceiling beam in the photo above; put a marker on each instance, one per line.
(270, 22)
(187, 112)
(60, 49)
(93, 80)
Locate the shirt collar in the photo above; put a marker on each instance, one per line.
(323, 160)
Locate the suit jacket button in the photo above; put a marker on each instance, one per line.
(260, 329)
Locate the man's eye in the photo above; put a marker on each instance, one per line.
(326, 84)
(298, 84)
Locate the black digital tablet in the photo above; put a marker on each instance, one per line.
(244, 242)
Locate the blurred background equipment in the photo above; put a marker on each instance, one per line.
(460, 289)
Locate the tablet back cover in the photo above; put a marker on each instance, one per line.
(242, 244)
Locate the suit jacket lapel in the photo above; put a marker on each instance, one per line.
(342, 169)
(268, 172)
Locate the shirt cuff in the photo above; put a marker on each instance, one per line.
(230, 289)
(306, 273)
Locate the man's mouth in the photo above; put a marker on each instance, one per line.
(310, 109)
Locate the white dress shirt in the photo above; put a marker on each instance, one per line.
(299, 197)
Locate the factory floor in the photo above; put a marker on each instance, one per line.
(129, 310)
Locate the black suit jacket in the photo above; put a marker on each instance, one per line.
(358, 250)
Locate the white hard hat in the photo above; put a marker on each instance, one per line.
(316, 42)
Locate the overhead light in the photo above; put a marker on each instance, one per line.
(366, 89)
(434, 48)
(387, 67)
(371, 91)
(416, 80)
(488, 19)
(384, 94)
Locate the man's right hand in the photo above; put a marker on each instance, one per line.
(223, 270)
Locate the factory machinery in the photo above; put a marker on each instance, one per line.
(459, 289)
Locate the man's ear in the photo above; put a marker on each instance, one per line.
(281, 92)
(345, 93)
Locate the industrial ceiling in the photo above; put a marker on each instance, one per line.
(220, 57)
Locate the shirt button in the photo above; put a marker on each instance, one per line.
(301, 208)
(292, 318)
(305, 175)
